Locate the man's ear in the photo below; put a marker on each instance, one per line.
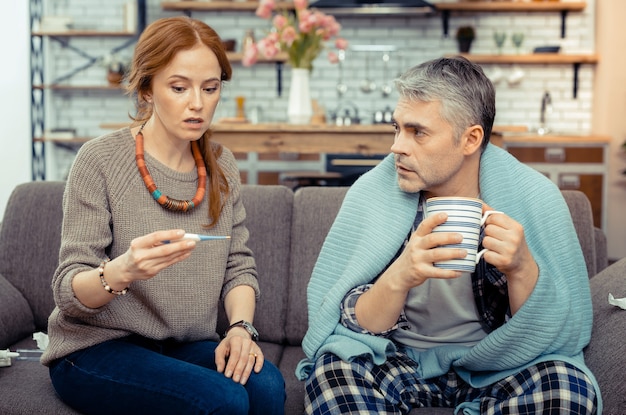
(473, 139)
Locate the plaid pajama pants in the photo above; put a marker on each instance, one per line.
(360, 387)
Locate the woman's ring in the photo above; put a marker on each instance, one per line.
(253, 354)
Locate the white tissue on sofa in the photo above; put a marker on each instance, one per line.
(618, 302)
(41, 339)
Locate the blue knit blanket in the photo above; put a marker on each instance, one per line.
(375, 217)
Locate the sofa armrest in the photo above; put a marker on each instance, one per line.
(28, 258)
(606, 353)
(582, 217)
(16, 317)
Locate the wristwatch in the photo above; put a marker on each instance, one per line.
(246, 325)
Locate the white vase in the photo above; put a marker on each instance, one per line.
(300, 109)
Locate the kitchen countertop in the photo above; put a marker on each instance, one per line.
(550, 138)
(313, 138)
(357, 139)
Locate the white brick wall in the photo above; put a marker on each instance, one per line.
(416, 39)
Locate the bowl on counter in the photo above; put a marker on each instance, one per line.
(547, 49)
(229, 44)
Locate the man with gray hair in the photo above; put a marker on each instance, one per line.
(390, 331)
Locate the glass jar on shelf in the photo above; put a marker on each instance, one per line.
(248, 40)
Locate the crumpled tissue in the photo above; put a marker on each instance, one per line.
(618, 302)
(41, 339)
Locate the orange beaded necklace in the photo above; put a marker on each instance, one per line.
(163, 200)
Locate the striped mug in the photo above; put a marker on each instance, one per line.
(465, 216)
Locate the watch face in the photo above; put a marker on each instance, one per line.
(249, 328)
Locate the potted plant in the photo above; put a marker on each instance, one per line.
(464, 36)
(302, 34)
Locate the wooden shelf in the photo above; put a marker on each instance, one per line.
(189, 6)
(474, 6)
(238, 56)
(512, 6)
(75, 140)
(83, 33)
(532, 138)
(59, 87)
(232, 57)
(534, 58)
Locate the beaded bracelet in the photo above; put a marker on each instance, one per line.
(105, 284)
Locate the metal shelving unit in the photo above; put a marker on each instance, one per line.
(39, 87)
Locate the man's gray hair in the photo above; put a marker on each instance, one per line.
(467, 96)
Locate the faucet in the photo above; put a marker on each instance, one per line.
(546, 106)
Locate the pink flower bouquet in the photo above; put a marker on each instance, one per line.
(301, 36)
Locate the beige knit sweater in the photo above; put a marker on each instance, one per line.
(105, 206)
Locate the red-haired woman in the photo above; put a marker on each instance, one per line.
(134, 328)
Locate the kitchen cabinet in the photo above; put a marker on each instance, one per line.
(571, 162)
(297, 154)
(311, 139)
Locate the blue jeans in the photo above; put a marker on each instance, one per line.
(134, 375)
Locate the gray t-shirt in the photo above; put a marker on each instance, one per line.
(440, 311)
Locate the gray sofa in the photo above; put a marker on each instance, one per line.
(287, 230)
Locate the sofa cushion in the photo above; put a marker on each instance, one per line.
(268, 212)
(27, 384)
(293, 387)
(30, 237)
(16, 319)
(606, 353)
(309, 203)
